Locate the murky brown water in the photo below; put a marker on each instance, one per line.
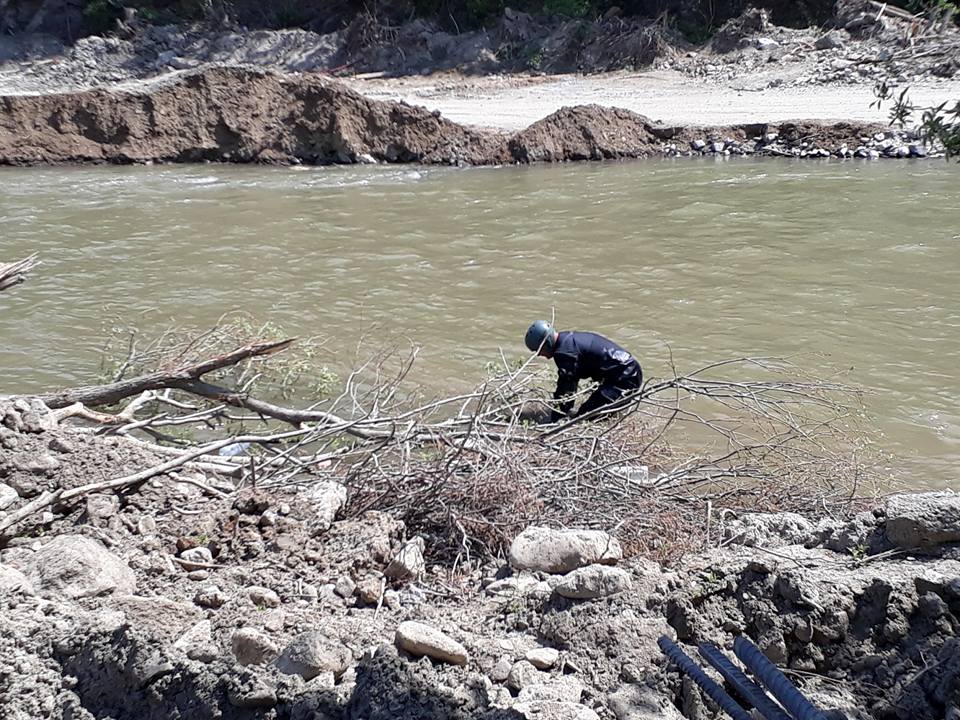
(854, 265)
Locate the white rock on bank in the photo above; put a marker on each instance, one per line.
(560, 551)
(13, 581)
(923, 519)
(200, 635)
(408, 564)
(543, 658)
(516, 586)
(252, 647)
(311, 654)
(77, 567)
(594, 581)
(524, 674)
(196, 558)
(263, 597)
(327, 498)
(8, 496)
(422, 640)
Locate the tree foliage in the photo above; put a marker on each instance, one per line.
(939, 124)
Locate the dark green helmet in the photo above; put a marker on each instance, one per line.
(540, 333)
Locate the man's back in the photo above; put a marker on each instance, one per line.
(582, 355)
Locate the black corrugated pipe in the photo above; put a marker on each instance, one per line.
(775, 681)
(743, 685)
(696, 673)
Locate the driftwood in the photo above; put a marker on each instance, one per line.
(16, 272)
(181, 377)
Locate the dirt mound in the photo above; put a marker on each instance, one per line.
(232, 115)
(244, 116)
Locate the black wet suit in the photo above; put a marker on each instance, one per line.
(582, 355)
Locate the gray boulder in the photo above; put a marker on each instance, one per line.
(923, 519)
(13, 581)
(8, 496)
(594, 581)
(76, 567)
(311, 654)
(560, 551)
(408, 564)
(832, 40)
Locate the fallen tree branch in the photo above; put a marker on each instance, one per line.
(93, 395)
(16, 272)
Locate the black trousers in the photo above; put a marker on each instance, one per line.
(612, 390)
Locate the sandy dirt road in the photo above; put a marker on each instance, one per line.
(513, 102)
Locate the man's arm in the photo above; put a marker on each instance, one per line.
(567, 384)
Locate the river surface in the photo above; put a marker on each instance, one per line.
(852, 268)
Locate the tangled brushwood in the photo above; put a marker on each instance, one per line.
(470, 471)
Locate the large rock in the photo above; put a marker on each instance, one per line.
(76, 567)
(560, 551)
(311, 654)
(552, 710)
(422, 640)
(593, 581)
(327, 498)
(524, 674)
(923, 519)
(542, 658)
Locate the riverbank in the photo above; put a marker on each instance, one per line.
(493, 96)
(237, 115)
(185, 594)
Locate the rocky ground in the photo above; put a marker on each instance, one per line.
(184, 596)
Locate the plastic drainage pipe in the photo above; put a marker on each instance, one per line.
(744, 685)
(775, 681)
(696, 673)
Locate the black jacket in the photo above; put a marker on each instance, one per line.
(586, 355)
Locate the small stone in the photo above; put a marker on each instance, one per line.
(327, 498)
(263, 597)
(283, 508)
(252, 647)
(366, 159)
(196, 558)
(198, 575)
(268, 519)
(501, 671)
(770, 137)
(716, 147)
(146, 525)
(8, 496)
(422, 640)
(58, 444)
(516, 586)
(543, 658)
(765, 43)
(210, 597)
(43, 464)
(698, 144)
(879, 136)
(391, 598)
(873, 155)
(522, 674)
(369, 589)
(101, 506)
(198, 635)
(311, 654)
(917, 151)
(345, 587)
(408, 563)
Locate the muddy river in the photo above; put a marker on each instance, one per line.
(850, 268)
